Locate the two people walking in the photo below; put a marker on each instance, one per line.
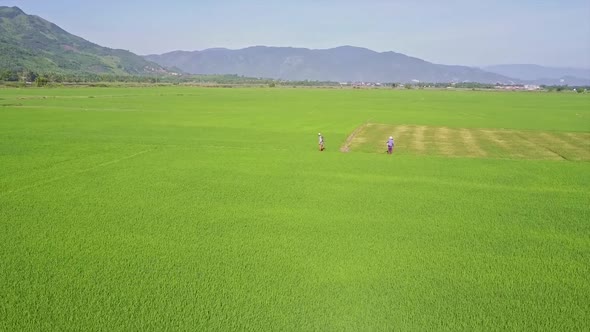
(390, 143)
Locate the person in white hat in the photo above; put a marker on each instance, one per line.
(321, 141)
(390, 145)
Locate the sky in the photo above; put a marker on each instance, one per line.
(464, 32)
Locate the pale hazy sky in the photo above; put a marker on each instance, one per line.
(467, 32)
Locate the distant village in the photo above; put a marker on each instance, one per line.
(499, 86)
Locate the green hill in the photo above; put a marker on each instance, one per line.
(28, 42)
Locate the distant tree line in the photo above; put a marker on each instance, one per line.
(559, 88)
(41, 79)
(25, 76)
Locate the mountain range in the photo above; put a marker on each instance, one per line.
(32, 43)
(29, 42)
(543, 75)
(340, 64)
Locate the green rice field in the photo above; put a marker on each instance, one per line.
(184, 208)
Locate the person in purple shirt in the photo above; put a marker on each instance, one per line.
(390, 145)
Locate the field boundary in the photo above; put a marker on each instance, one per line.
(346, 146)
(544, 146)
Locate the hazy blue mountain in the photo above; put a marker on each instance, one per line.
(32, 43)
(535, 72)
(345, 63)
(565, 80)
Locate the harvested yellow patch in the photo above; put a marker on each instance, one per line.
(355, 138)
(418, 142)
(492, 136)
(471, 142)
(443, 141)
(533, 148)
(501, 142)
(582, 139)
(568, 149)
(399, 131)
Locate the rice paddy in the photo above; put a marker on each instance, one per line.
(178, 208)
(472, 142)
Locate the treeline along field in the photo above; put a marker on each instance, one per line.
(187, 208)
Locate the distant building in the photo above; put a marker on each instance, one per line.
(527, 87)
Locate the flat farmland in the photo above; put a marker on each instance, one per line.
(472, 142)
(199, 208)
